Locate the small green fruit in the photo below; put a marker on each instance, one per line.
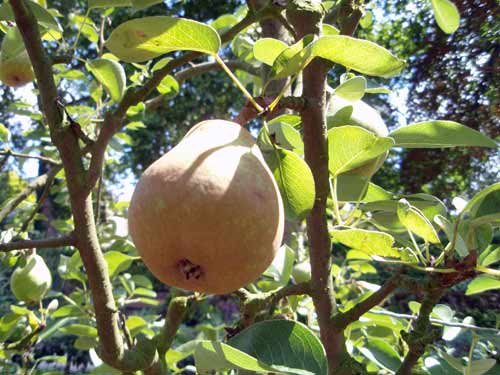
(301, 272)
(31, 282)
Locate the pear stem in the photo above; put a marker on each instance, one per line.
(238, 83)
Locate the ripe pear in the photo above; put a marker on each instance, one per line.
(16, 71)
(364, 116)
(208, 216)
(31, 282)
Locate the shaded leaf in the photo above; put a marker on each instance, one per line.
(353, 89)
(111, 75)
(283, 343)
(295, 181)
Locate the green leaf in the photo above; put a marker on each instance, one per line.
(4, 133)
(439, 134)
(353, 89)
(344, 112)
(168, 86)
(368, 241)
(224, 22)
(378, 90)
(414, 220)
(360, 55)
(143, 4)
(352, 187)
(489, 256)
(382, 353)
(287, 137)
(281, 267)
(210, 356)
(79, 330)
(283, 343)
(85, 343)
(293, 120)
(329, 29)
(482, 366)
(484, 203)
(145, 38)
(109, 3)
(118, 262)
(482, 284)
(449, 229)
(41, 14)
(295, 181)
(350, 147)
(446, 15)
(111, 75)
(267, 50)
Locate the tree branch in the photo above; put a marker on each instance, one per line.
(9, 152)
(342, 319)
(38, 183)
(46, 243)
(66, 141)
(421, 335)
(175, 315)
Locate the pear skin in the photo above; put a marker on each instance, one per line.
(16, 71)
(208, 216)
(31, 282)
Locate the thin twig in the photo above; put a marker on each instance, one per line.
(39, 182)
(343, 319)
(42, 199)
(67, 240)
(9, 152)
(435, 321)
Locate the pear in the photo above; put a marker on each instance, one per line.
(31, 282)
(301, 272)
(208, 216)
(16, 71)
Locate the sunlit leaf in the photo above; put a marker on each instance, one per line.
(144, 38)
(446, 15)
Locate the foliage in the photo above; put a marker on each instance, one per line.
(129, 78)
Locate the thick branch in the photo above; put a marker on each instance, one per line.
(421, 335)
(63, 137)
(38, 183)
(307, 21)
(9, 152)
(46, 243)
